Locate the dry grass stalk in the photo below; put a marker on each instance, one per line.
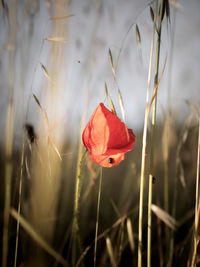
(45, 72)
(152, 13)
(153, 123)
(75, 231)
(110, 252)
(37, 237)
(156, 87)
(46, 159)
(112, 105)
(144, 144)
(121, 103)
(111, 63)
(120, 242)
(130, 235)
(165, 217)
(102, 235)
(138, 36)
(106, 91)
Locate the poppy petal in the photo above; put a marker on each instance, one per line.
(96, 133)
(107, 138)
(119, 135)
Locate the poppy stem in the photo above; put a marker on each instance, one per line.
(75, 232)
(97, 220)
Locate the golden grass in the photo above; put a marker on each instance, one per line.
(37, 237)
(144, 144)
(110, 233)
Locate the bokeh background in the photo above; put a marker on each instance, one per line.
(64, 62)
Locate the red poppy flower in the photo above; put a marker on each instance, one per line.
(107, 138)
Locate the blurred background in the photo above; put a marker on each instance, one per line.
(54, 63)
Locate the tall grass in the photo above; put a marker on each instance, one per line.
(47, 153)
(62, 214)
(140, 223)
(153, 133)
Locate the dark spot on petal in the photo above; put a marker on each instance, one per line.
(154, 180)
(110, 160)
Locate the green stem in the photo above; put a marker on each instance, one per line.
(97, 220)
(153, 139)
(143, 161)
(76, 208)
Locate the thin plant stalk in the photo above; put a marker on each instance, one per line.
(76, 208)
(153, 139)
(97, 219)
(166, 167)
(196, 221)
(19, 204)
(9, 129)
(144, 146)
(77, 192)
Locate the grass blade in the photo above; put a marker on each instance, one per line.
(165, 217)
(130, 235)
(121, 103)
(106, 91)
(111, 62)
(138, 36)
(110, 252)
(35, 236)
(112, 105)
